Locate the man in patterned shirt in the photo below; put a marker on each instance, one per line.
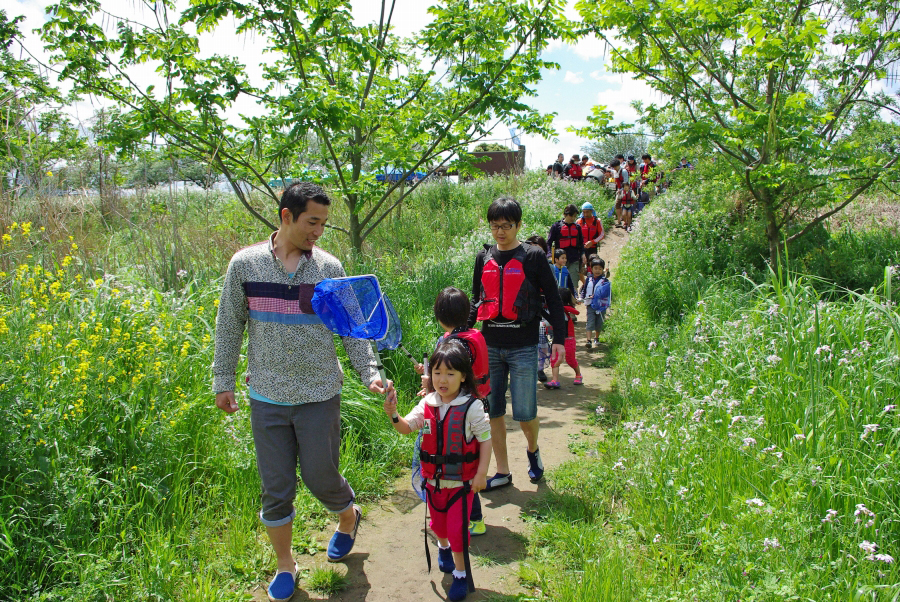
(293, 375)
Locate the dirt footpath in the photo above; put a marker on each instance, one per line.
(388, 560)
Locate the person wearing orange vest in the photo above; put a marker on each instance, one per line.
(566, 234)
(591, 230)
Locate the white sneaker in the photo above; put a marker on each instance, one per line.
(591, 345)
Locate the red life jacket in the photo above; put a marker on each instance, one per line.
(590, 231)
(474, 342)
(620, 185)
(445, 452)
(507, 293)
(568, 234)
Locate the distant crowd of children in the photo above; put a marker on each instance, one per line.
(634, 183)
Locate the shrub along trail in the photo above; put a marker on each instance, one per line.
(388, 561)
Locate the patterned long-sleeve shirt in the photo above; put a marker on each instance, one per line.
(290, 354)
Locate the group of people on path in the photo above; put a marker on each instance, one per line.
(634, 182)
(294, 379)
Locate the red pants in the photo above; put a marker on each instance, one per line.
(570, 354)
(449, 524)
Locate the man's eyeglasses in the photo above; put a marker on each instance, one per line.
(505, 227)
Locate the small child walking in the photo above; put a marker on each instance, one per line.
(596, 286)
(545, 331)
(451, 310)
(456, 453)
(569, 306)
(561, 272)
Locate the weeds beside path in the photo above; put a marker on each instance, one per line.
(388, 562)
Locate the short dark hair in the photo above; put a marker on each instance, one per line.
(506, 208)
(620, 157)
(646, 156)
(583, 157)
(615, 163)
(565, 295)
(558, 253)
(295, 197)
(451, 307)
(538, 240)
(570, 210)
(598, 261)
(455, 356)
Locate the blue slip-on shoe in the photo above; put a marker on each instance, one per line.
(458, 590)
(499, 480)
(341, 543)
(535, 466)
(281, 588)
(445, 560)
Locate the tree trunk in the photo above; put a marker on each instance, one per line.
(356, 229)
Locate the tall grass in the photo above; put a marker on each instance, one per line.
(119, 479)
(754, 453)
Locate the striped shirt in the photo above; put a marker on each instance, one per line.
(291, 357)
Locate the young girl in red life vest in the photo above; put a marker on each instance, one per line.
(456, 453)
(451, 310)
(569, 305)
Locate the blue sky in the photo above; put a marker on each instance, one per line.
(579, 84)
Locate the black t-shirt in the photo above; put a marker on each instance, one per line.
(558, 168)
(538, 273)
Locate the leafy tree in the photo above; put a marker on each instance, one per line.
(359, 96)
(34, 132)
(776, 88)
(624, 143)
(490, 147)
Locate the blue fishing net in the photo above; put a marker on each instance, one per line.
(352, 307)
(394, 334)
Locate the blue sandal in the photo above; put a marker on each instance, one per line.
(342, 543)
(282, 586)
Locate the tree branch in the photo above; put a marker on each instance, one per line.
(849, 199)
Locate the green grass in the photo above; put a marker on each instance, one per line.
(751, 450)
(326, 580)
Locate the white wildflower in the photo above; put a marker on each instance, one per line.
(867, 430)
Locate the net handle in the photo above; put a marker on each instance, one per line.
(380, 367)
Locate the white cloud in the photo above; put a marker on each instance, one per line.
(598, 74)
(540, 153)
(589, 48)
(573, 77)
(621, 92)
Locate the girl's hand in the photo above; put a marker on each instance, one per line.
(390, 405)
(420, 368)
(479, 483)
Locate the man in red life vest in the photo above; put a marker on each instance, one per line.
(573, 169)
(507, 284)
(567, 235)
